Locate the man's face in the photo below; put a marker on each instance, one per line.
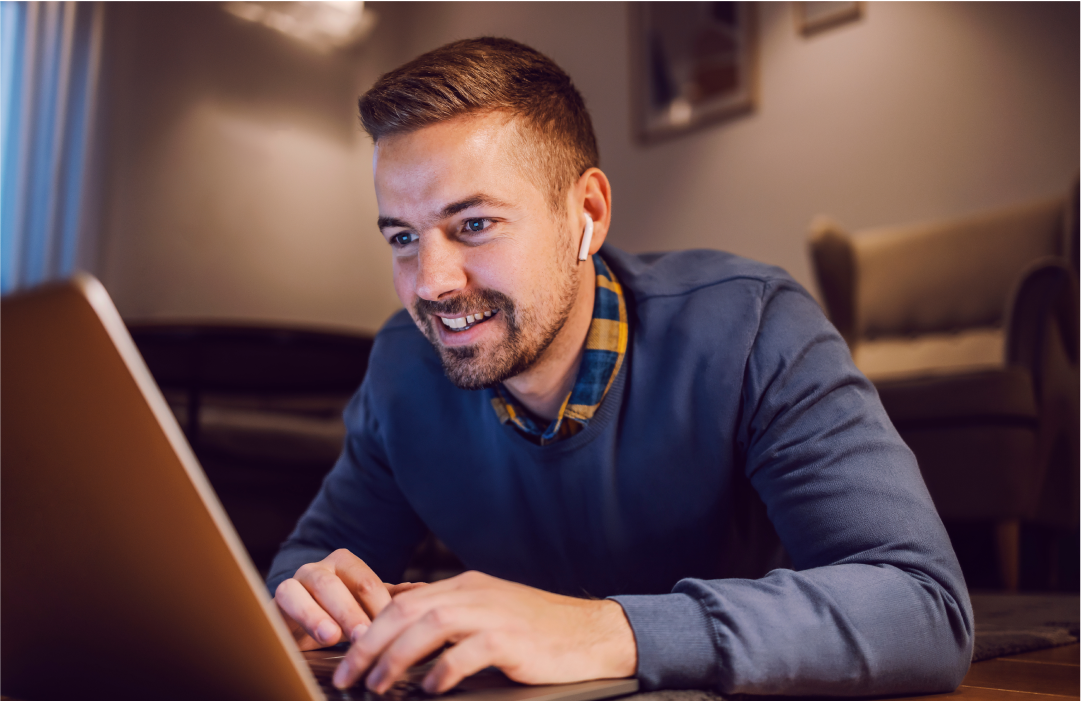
(480, 261)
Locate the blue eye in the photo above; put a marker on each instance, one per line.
(475, 225)
(403, 239)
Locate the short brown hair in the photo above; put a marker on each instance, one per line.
(491, 74)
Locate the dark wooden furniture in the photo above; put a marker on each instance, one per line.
(261, 407)
(1043, 675)
(968, 329)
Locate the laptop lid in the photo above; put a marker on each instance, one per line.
(119, 568)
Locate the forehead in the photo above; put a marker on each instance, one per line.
(418, 173)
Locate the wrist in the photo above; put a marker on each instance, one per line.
(616, 650)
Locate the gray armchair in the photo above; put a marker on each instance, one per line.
(969, 331)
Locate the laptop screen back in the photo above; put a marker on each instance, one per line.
(119, 568)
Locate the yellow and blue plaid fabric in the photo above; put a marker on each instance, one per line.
(606, 344)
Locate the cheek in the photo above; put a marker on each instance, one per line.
(405, 279)
(507, 267)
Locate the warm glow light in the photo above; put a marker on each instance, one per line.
(324, 25)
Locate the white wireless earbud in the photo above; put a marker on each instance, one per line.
(587, 237)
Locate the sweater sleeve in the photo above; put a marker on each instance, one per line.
(876, 603)
(359, 507)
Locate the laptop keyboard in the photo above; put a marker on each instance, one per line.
(408, 689)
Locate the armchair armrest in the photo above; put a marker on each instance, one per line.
(1042, 329)
(834, 264)
(1072, 227)
(1042, 321)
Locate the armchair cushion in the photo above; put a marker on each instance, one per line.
(932, 354)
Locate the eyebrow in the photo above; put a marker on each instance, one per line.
(450, 210)
(384, 222)
(473, 201)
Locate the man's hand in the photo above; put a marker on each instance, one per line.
(324, 602)
(533, 636)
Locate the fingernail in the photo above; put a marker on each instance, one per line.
(341, 674)
(429, 684)
(325, 632)
(374, 678)
(358, 630)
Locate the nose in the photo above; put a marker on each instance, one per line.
(440, 267)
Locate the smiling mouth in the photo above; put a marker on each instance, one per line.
(468, 321)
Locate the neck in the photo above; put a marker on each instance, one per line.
(544, 386)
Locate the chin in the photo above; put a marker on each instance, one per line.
(467, 368)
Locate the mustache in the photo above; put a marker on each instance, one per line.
(462, 304)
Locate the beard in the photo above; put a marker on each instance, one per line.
(529, 332)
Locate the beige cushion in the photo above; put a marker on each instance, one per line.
(904, 274)
(930, 354)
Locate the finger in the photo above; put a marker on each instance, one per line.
(422, 590)
(300, 636)
(469, 656)
(396, 589)
(334, 596)
(409, 607)
(441, 625)
(367, 646)
(364, 584)
(297, 603)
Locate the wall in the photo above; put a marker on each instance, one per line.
(240, 185)
(917, 111)
(239, 179)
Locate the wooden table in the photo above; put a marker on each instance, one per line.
(1043, 675)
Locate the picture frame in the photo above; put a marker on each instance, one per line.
(814, 17)
(693, 64)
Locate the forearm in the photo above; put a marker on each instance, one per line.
(851, 629)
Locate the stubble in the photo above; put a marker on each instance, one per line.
(528, 331)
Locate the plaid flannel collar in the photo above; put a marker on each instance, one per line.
(606, 344)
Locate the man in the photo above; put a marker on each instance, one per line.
(603, 425)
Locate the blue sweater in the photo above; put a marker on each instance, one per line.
(737, 425)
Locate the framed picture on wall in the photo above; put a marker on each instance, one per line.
(693, 63)
(813, 17)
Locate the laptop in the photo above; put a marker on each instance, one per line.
(119, 570)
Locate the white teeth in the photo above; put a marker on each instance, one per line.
(463, 321)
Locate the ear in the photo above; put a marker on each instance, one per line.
(592, 195)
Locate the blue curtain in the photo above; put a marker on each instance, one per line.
(49, 64)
